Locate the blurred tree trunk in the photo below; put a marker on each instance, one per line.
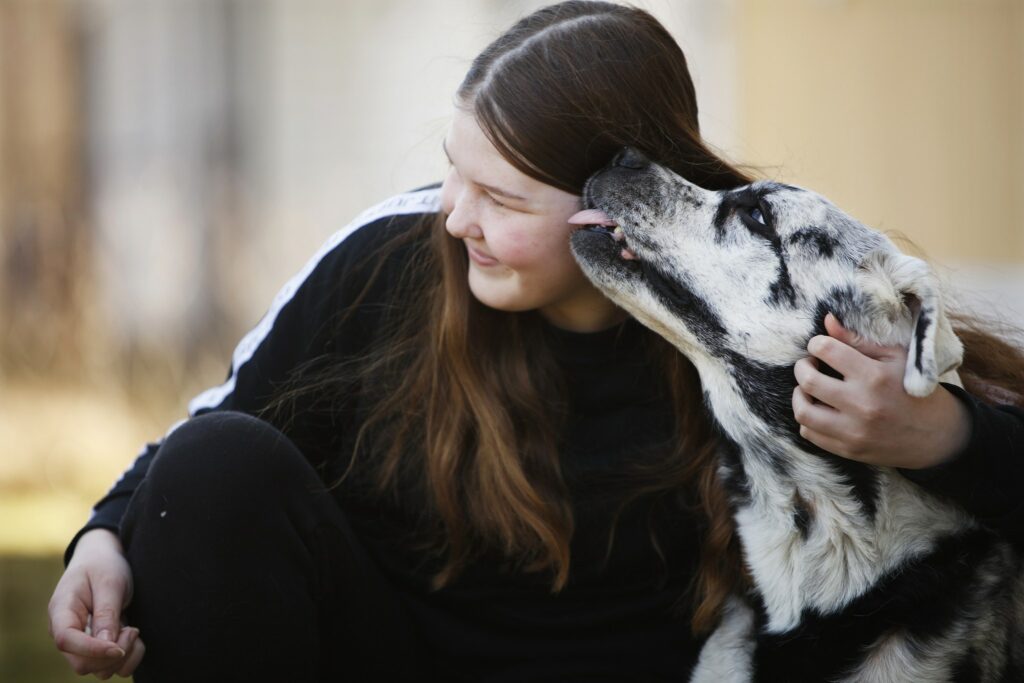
(44, 239)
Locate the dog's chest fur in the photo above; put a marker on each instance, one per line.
(811, 541)
(841, 552)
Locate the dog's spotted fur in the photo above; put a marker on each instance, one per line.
(858, 574)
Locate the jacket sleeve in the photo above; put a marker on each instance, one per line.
(987, 477)
(298, 327)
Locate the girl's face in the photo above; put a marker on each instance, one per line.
(516, 234)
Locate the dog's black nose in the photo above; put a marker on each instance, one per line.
(630, 158)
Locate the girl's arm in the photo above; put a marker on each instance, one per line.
(298, 327)
(97, 582)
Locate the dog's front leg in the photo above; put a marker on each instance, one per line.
(728, 653)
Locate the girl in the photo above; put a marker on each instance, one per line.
(443, 453)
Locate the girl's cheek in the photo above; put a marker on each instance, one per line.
(514, 248)
(550, 250)
(533, 245)
(516, 257)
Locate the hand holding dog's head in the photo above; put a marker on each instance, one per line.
(902, 303)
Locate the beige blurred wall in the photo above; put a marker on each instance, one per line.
(909, 114)
(223, 140)
(355, 97)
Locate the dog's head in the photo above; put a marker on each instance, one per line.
(750, 273)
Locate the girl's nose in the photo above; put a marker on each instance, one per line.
(460, 227)
(462, 222)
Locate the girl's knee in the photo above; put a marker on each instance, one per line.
(224, 453)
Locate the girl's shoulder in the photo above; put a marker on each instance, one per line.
(351, 277)
(351, 254)
(380, 224)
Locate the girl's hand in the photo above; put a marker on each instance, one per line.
(96, 584)
(867, 416)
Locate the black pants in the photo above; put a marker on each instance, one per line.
(246, 569)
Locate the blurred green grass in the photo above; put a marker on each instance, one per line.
(63, 445)
(27, 654)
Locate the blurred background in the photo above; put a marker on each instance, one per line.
(166, 165)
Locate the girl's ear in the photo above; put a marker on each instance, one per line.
(902, 294)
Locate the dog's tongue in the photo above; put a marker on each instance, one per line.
(591, 217)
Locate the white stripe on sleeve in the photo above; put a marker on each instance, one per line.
(421, 201)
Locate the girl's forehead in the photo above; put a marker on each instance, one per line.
(477, 159)
(465, 138)
(469, 148)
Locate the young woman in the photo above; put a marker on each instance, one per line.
(443, 453)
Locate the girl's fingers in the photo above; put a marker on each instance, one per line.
(823, 441)
(73, 641)
(816, 416)
(849, 354)
(846, 360)
(818, 385)
(69, 617)
(133, 659)
(868, 348)
(107, 601)
(84, 653)
(128, 641)
(831, 429)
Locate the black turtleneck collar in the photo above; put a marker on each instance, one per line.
(613, 344)
(618, 403)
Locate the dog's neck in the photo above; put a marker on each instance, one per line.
(817, 530)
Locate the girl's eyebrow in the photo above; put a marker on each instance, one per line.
(490, 188)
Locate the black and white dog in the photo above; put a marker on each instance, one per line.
(858, 574)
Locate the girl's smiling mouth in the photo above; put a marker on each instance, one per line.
(480, 258)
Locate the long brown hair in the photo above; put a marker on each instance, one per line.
(558, 95)
(467, 403)
(467, 400)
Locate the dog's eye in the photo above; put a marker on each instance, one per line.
(754, 218)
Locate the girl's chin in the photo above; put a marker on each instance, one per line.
(502, 303)
(500, 295)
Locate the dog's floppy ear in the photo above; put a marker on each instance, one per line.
(904, 295)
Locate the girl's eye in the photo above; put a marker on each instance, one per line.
(495, 201)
